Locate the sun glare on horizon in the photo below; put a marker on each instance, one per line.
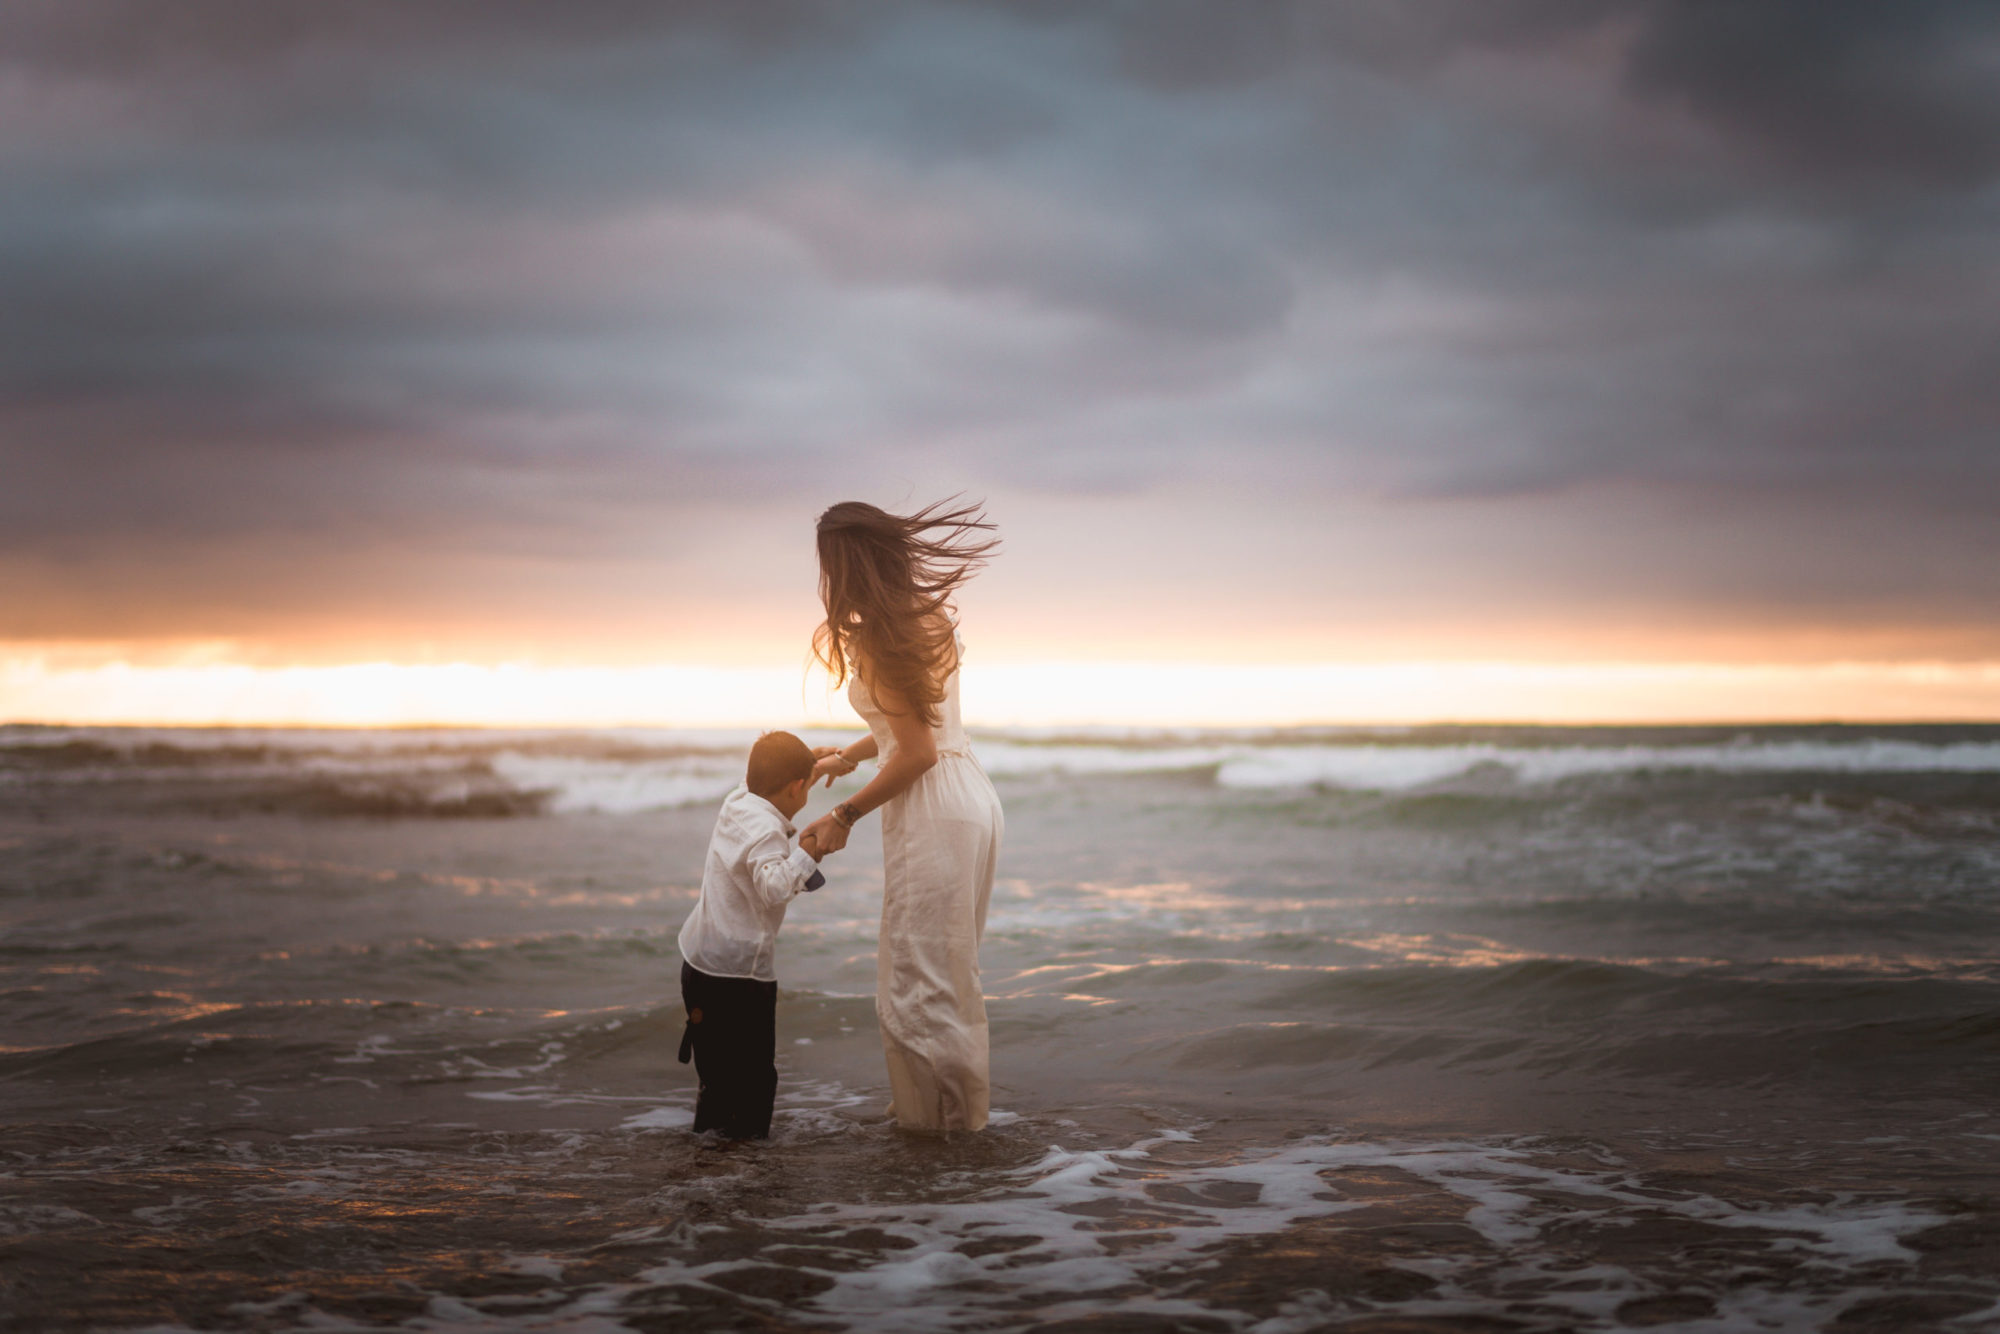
(999, 694)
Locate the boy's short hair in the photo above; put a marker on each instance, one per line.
(777, 760)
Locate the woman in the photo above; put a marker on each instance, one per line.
(887, 581)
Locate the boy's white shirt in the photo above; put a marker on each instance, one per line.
(752, 872)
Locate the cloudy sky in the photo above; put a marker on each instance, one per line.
(1504, 330)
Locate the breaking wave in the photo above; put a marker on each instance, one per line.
(462, 773)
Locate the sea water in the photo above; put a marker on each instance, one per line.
(1446, 1028)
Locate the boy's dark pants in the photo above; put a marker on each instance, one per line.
(732, 1031)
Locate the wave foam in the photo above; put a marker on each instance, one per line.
(1377, 767)
(634, 770)
(615, 786)
(1065, 1222)
(620, 787)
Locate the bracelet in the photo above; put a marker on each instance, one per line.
(845, 815)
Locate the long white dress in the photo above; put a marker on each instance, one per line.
(940, 840)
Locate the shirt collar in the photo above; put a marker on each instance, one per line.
(752, 797)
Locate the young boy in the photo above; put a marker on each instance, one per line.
(727, 980)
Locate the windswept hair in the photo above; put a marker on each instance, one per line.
(887, 581)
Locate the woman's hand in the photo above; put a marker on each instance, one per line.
(830, 764)
(827, 834)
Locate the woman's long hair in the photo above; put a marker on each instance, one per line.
(887, 581)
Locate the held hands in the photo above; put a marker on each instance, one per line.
(829, 763)
(827, 834)
(822, 836)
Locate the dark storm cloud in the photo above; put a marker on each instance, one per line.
(479, 274)
(1847, 90)
(1844, 89)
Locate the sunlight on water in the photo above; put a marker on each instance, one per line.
(1604, 1028)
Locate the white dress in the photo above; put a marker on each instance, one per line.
(940, 840)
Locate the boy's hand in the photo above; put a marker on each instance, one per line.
(827, 832)
(810, 843)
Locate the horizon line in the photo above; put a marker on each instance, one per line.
(1055, 729)
(1155, 695)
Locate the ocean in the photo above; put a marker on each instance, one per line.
(1449, 1028)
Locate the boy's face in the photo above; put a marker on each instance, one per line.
(791, 798)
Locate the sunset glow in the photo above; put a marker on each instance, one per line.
(1387, 370)
(1011, 694)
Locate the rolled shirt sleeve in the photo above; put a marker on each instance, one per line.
(780, 870)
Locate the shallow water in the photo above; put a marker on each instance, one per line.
(1452, 1029)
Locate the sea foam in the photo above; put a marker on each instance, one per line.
(635, 770)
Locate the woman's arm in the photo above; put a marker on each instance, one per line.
(916, 753)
